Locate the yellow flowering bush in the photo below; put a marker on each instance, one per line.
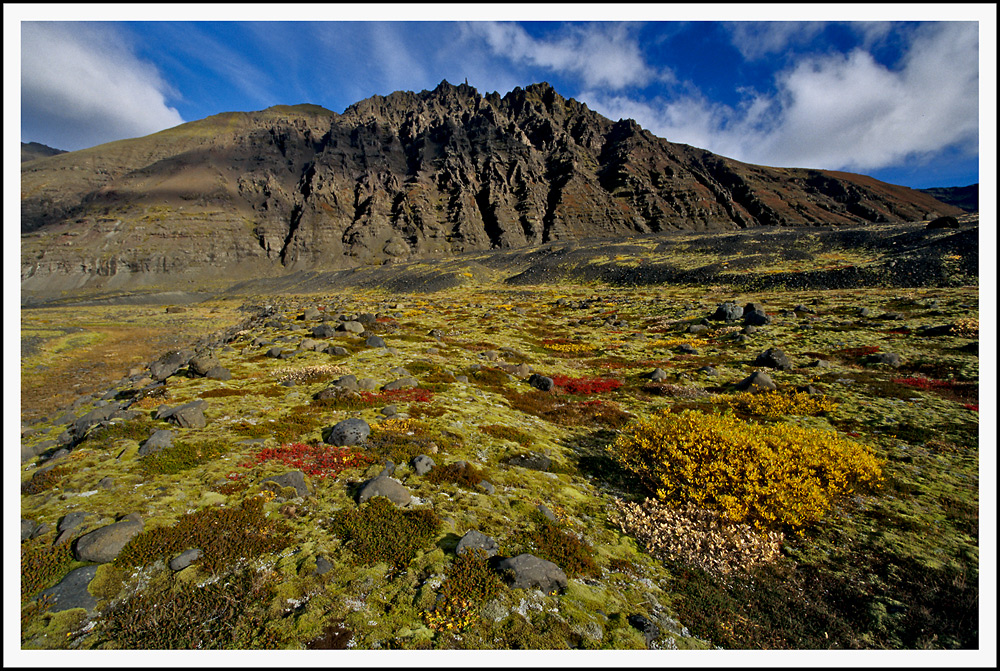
(967, 327)
(766, 475)
(776, 404)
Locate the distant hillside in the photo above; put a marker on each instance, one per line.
(32, 150)
(401, 177)
(965, 197)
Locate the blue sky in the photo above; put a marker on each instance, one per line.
(898, 100)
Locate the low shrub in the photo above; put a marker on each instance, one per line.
(559, 411)
(380, 532)
(767, 475)
(464, 474)
(43, 480)
(583, 386)
(42, 564)
(469, 582)
(232, 615)
(777, 404)
(225, 535)
(553, 542)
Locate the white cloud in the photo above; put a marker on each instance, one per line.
(85, 86)
(837, 111)
(599, 54)
(756, 39)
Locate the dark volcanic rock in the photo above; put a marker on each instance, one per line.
(527, 571)
(348, 432)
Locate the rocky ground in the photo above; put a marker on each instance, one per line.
(389, 467)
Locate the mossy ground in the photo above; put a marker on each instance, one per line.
(896, 568)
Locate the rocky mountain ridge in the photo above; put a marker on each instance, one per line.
(399, 177)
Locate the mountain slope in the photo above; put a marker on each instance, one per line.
(32, 150)
(404, 176)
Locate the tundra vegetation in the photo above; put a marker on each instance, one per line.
(618, 432)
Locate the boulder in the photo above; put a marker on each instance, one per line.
(527, 571)
(348, 432)
(885, 358)
(200, 365)
(401, 383)
(754, 315)
(657, 374)
(385, 486)
(184, 559)
(943, 222)
(103, 545)
(422, 464)
(187, 416)
(727, 312)
(541, 382)
(169, 364)
(323, 331)
(476, 540)
(294, 479)
(219, 373)
(773, 358)
(72, 592)
(757, 381)
(157, 441)
(374, 341)
(351, 327)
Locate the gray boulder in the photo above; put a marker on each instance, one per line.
(541, 382)
(187, 416)
(323, 331)
(184, 559)
(351, 327)
(219, 373)
(476, 540)
(401, 383)
(103, 545)
(157, 441)
(757, 381)
(727, 312)
(385, 486)
(374, 341)
(200, 365)
(773, 358)
(886, 359)
(754, 315)
(527, 571)
(72, 592)
(169, 364)
(348, 432)
(422, 464)
(294, 479)
(531, 460)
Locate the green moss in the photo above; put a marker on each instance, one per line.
(183, 455)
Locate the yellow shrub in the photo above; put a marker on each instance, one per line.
(766, 475)
(776, 404)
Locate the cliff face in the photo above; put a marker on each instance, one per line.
(404, 176)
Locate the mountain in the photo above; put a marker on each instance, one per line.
(32, 150)
(964, 197)
(404, 176)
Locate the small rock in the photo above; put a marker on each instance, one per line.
(757, 381)
(294, 479)
(184, 559)
(657, 375)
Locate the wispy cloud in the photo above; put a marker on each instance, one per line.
(843, 111)
(597, 54)
(84, 86)
(757, 39)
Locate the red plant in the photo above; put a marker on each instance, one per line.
(974, 407)
(924, 383)
(582, 386)
(315, 460)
